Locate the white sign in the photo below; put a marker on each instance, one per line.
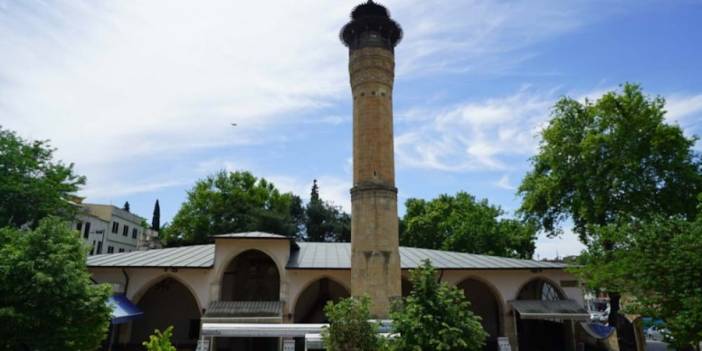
(503, 344)
(203, 345)
(288, 344)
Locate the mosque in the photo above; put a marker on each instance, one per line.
(263, 291)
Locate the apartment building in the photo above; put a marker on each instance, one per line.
(109, 229)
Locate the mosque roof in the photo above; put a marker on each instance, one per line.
(313, 256)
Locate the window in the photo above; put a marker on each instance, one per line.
(121, 249)
(79, 226)
(87, 230)
(110, 249)
(134, 233)
(99, 250)
(92, 248)
(115, 227)
(125, 230)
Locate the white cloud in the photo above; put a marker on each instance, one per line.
(684, 109)
(476, 135)
(565, 245)
(503, 183)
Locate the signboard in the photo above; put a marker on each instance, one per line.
(288, 344)
(503, 344)
(203, 345)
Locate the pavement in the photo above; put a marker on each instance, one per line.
(656, 346)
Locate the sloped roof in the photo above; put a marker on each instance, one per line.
(251, 235)
(314, 256)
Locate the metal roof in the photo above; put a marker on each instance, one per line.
(315, 256)
(251, 235)
(245, 309)
(543, 309)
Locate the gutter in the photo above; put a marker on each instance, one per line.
(126, 281)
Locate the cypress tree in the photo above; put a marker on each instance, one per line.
(156, 218)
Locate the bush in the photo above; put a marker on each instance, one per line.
(160, 341)
(435, 316)
(349, 326)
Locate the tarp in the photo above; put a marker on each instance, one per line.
(123, 310)
(558, 309)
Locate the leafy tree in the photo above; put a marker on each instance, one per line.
(659, 265)
(614, 160)
(160, 341)
(156, 218)
(610, 160)
(435, 316)
(33, 185)
(325, 222)
(460, 223)
(232, 202)
(47, 300)
(349, 326)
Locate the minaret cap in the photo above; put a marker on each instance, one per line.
(371, 25)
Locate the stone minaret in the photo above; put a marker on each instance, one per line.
(371, 37)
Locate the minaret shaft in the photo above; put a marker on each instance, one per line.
(375, 259)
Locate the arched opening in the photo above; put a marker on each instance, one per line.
(166, 303)
(309, 307)
(540, 289)
(406, 287)
(251, 276)
(484, 303)
(542, 334)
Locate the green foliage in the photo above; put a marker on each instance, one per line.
(47, 300)
(233, 202)
(325, 222)
(460, 223)
(160, 341)
(33, 185)
(659, 265)
(435, 316)
(349, 326)
(610, 160)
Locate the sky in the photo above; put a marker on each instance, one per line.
(141, 95)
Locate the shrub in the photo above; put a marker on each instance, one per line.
(160, 341)
(349, 326)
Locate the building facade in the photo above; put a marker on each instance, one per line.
(108, 229)
(270, 279)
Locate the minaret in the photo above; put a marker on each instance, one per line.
(371, 37)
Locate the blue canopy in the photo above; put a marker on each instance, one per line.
(123, 310)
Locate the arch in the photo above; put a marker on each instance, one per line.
(406, 286)
(311, 300)
(486, 302)
(148, 285)
(252, 275)
(540, 288)
(166, 302)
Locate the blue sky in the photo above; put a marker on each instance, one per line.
(140, 94)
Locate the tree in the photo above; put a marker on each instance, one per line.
(33, 185)
(156, 218)
(324, 221)
(349, 326)
(126, 206)
(610, 160)
(614, 160)
(435, 316)
(460, 223)
(231, 202)
(658, 264)
(160, 341)
(47, 300)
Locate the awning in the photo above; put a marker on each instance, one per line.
(238, 309)
(123, 310)
(559, 309)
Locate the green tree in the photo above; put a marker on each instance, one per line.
(614, 160)
(349, 327)
(156, 217)
(47, 300)
(435, 316)
(658, 264)
(610, 160)
(460, 223)
(160, 341)
(232, 202)
(324, 221)
(32, 184)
